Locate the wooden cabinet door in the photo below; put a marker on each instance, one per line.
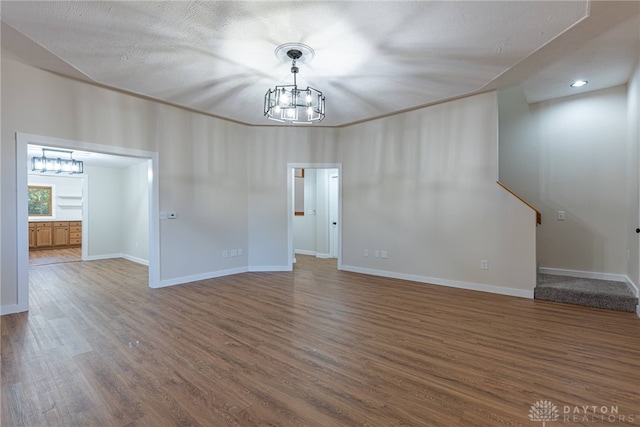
(60, 234)
(32, 236)
(44, 235)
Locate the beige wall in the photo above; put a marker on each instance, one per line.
(633, 176)
(419, 185)
(571, 155)
(134, 212)
(422, 186)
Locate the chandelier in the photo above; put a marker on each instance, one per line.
(57, 165)
(288, 103)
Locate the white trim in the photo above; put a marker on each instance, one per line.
(136, 259)
(10, 309)
(112, 256)
(522, 293)
(100, 257)
(260, 268)
(22, 222)
(311, 253)
(632, 286)
(304, 252)
(199, 277)
(584, 274)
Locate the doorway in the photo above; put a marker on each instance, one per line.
(150, 160)
(314, 211)
(55, 215)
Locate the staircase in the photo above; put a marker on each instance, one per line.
(588, 292)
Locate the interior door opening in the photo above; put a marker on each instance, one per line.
(147, 162)
(314, 217)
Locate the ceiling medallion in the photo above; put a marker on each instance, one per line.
(288, 103)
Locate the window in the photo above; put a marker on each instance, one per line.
(40, 200)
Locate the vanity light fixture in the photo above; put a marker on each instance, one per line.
(57, 165)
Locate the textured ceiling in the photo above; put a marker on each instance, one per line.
(372, 58)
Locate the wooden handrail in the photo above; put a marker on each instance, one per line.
(538, 214)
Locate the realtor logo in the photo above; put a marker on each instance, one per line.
(544, 410)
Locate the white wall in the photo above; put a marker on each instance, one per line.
(135, 212)
(65, 208)
(304, 226)
(118, 212)
(569, 155)
(104, 219)
(422, 186)
(633, 176)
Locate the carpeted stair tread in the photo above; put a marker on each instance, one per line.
(588, 292)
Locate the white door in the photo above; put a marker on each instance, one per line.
(333, 215)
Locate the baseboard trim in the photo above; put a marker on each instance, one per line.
(259, 268)
(632, 286)
(197, 277)
(521, 293)
(11, 309)
(105, 256)
(312, 253)
(304, 252)
(136, 259)
(112, 256)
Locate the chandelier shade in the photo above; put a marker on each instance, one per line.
(57, 165)
(289, 103)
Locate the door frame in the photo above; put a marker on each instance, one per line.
(22, 214)
(290, 167)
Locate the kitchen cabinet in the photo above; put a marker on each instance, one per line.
(55, 234)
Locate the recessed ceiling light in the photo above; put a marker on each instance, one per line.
(579, 83)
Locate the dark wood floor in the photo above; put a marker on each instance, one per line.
(315, 347)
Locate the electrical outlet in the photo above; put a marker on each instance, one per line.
(172, 215)
(384, 254)
(484, 264)
(234, 252)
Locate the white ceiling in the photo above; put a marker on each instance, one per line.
(372, 58)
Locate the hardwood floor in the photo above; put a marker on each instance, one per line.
(313, 347)
(54, 256)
